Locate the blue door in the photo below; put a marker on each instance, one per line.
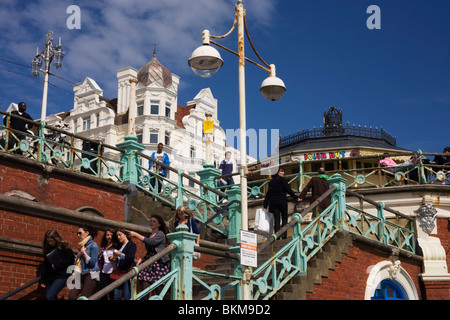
(388, 290)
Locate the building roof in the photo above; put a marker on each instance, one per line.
(153, 72)
(339, 142)
(335, 135)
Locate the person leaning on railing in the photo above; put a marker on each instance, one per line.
(17, 123)
(154, 243)
(443, 159)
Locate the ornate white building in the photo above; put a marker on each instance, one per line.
(147, 106)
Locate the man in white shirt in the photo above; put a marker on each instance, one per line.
(162, 157)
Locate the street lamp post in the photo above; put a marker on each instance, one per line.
(49, 54)
(205, 61)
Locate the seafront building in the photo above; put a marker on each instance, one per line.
(147, 107)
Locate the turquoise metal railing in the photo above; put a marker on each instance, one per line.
(57, 146)
(375, 176)
(292, 259)
(201, 202)
(397, 230)
(124, 165)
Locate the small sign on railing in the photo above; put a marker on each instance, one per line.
(249, 249)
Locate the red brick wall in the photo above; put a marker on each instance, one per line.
(348, 280)
(434, 290)
(205, 259)
(437, 290)
(443, 232)
(63, 192)
(52, 189)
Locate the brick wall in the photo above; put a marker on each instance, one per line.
(348, 280)
(440, 290)
(443, 232)
(56, 190)
(61, 191)
(205, 260)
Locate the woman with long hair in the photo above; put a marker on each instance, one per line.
(107, 246)
(124, 261)
(86, 264)
(154, 243)
(58, 257)
(184, 216)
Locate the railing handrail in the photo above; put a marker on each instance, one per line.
(293, 221)
(23, 287)
(68, 133)
(348, 130)
(184, 175)
(378, 205)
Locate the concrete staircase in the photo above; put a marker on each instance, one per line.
(299, 286)
(318, 268)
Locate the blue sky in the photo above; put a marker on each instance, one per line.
(397, 77)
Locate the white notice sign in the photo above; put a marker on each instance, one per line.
(249, 248)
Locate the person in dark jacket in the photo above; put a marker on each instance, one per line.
(276, 199)
(445, 159)
(124, 258)
(18, 124)
(58, 257)
(319, 186)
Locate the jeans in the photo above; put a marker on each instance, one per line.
(279, 208)
(124, 290)
(52, 289)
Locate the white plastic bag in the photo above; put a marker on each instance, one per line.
(196, 255)
(263, 221)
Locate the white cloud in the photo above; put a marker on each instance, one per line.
(116, 33)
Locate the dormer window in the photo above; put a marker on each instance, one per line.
(86, 123)
(154, 107)
(140, 109)
(153, 136)
(168, 110)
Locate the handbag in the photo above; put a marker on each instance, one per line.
(117, 273)
(263, 221)
(196, 255)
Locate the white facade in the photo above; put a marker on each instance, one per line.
(150, 107)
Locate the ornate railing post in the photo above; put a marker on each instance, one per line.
(339, 196)
(130, 159)
(297, 228)
(207, 176)
(234, 235)
(42, 156)
(300, 175)
(420, 168)
(380, 213)
(182, 260)
(179, 200)
(238, 272)
(234, 214)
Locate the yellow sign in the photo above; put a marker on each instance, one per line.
(208, 126)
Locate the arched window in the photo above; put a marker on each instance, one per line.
(388, 281)
(388, 290)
